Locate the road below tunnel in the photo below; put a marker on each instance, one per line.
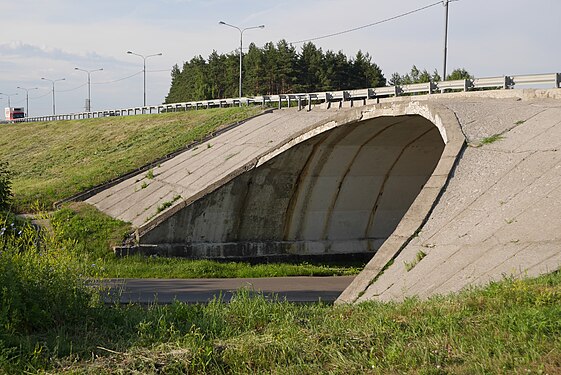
(302, 289)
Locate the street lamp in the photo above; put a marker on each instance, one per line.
(88, 72)
(445, 3)
(241, 44)
(53, 82)
(8, 95)
(144, 68)
(27, 98)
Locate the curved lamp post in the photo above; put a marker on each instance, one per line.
(144, 68)
(88, 72)
(27, 98)
(53, 83)
(241, 44)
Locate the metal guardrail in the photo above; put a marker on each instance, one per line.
(461, 85)
(532, 79)
(335, 97)
(504, 82)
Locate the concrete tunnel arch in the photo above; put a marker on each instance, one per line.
(339, 189)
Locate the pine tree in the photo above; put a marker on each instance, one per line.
(253, 64)
(459, 73)
(310, 66)
(272, 69)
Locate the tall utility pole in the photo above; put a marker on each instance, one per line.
(144, 68)
(89, 102)
(53, 83)
(27, 98)
(241, 46)
(445, 3)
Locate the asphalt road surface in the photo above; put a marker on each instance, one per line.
(163, 291)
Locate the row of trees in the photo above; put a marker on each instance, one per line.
(418, 76)
(280, 69)
(273, 69)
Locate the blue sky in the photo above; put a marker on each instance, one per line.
(50, 38)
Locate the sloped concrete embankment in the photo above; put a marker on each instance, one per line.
(296, 184)
(500, 214)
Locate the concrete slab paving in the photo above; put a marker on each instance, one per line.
(500, 214)
(211, 163)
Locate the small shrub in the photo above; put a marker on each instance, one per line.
(150, 174)
(492, 139)
(40, 281)
(5, 186)
(167, 204)
(410, 265)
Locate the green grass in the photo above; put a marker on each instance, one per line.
(164, 206)
(178, 268)
(509, 327)
(52, 322)
(93, 234)
(42, 283)
(54, 160)
(491, 139)
(496, 137)
(418, 257)
(150, 174)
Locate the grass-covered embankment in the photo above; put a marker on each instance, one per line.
(54, 160)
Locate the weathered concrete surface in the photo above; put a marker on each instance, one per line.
(192, 173)
(296, 183)
(500, 214)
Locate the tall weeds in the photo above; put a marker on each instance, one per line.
(5, 186)
(42, 284)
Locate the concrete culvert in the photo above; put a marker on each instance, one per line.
(337, 193)
(369, 181)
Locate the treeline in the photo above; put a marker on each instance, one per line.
(273, 69)
(281, 69)
(418, 76)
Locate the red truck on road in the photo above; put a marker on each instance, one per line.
(14, 114)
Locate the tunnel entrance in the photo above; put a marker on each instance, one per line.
(341, 192)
